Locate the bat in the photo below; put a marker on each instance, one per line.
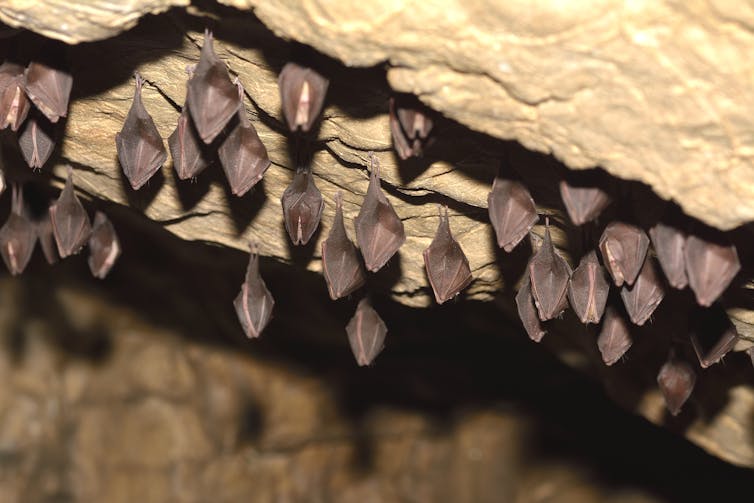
(302, 95)
(713, 335)
(583, 204)
(624, 248)
(343, 270)
(212, 98)
(588, 289)
(49, 89)
(366, 333)
(104, 246)
(409, 127)
(70, 223)
(447, 266)
(676, 382)
(14, 105)
(141, 151)
(528, 312)
(379, 230)
(186, 148)
(243, 155)
(46, 238)
(302, 207)
(17, 236)
(670, 244)
(254, 302)
(710, 268)
(615, 337)
(644, 296)
(36, 140)
(750, 352)
(512, 212)
(550, 275)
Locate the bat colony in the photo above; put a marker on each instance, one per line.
(214, 124)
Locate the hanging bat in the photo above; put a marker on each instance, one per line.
(624, 248)
(243, 155)
(302, 95)
(342, 267)
(713, 335)
(366, 333)
(447, 266)
(49, 89)
(302, 207)
(379, 230)
(104, 246)
(43, 228)
(644, 296)
(750, 352)
(212, 98)
(186, 148)
(615, 337)
(583, 204)
(70, 223)
(410, 128)
(588, 289)
(141, 151)
(710, 268)
(14, 105)
(512, 212)
(528, 313)
(549, 274)
(17, 236)
(670, 244)
(254, 302)
(676, 381)
(35, 139)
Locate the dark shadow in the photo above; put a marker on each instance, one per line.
(244, 209)
(191, 192)
(142, 198)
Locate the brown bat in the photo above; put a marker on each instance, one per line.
(254, 302)
(615, 337)
(341, 264)
(676, 381)
(14, 105)
(17, 236)
(212, 98)
(379, 230)
(104, 246)
(186, 148)
(528, 313)
(70, 222)
(750, 352)
(447, 266)
(410, 128)
(49, 89)
(302, 95)
(644, 296)
(588, 289)
(713, 335)
(302, 207)
(366, 333)
(670, 245)
(512, 212)
(710, 267)
(141, 151)
(583, 204)
(549, 274)
(43, 228)
(36, 140)
(624, 248)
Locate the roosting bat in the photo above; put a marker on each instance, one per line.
(36, 140)
(644, 296)
(583, 204)
(624, 248)
(379, 230)
(527, 312)
(186, 148)
(70, 223)
(409, 127)
(43, 228)
(212, 98)
(710, 268)
(750, 352)
(549, 274)
(512, 212)
(141, 151)
(302, 95)
(713, 335)
(676, 381)
(17, 236)
(104, 246)
(49, 89)
(588, 289)
(670, 244)
(366, 333)
(254, 302)
(615, 337)
(447, 266)
(341, 264)
(302, 207)
(14, 105)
